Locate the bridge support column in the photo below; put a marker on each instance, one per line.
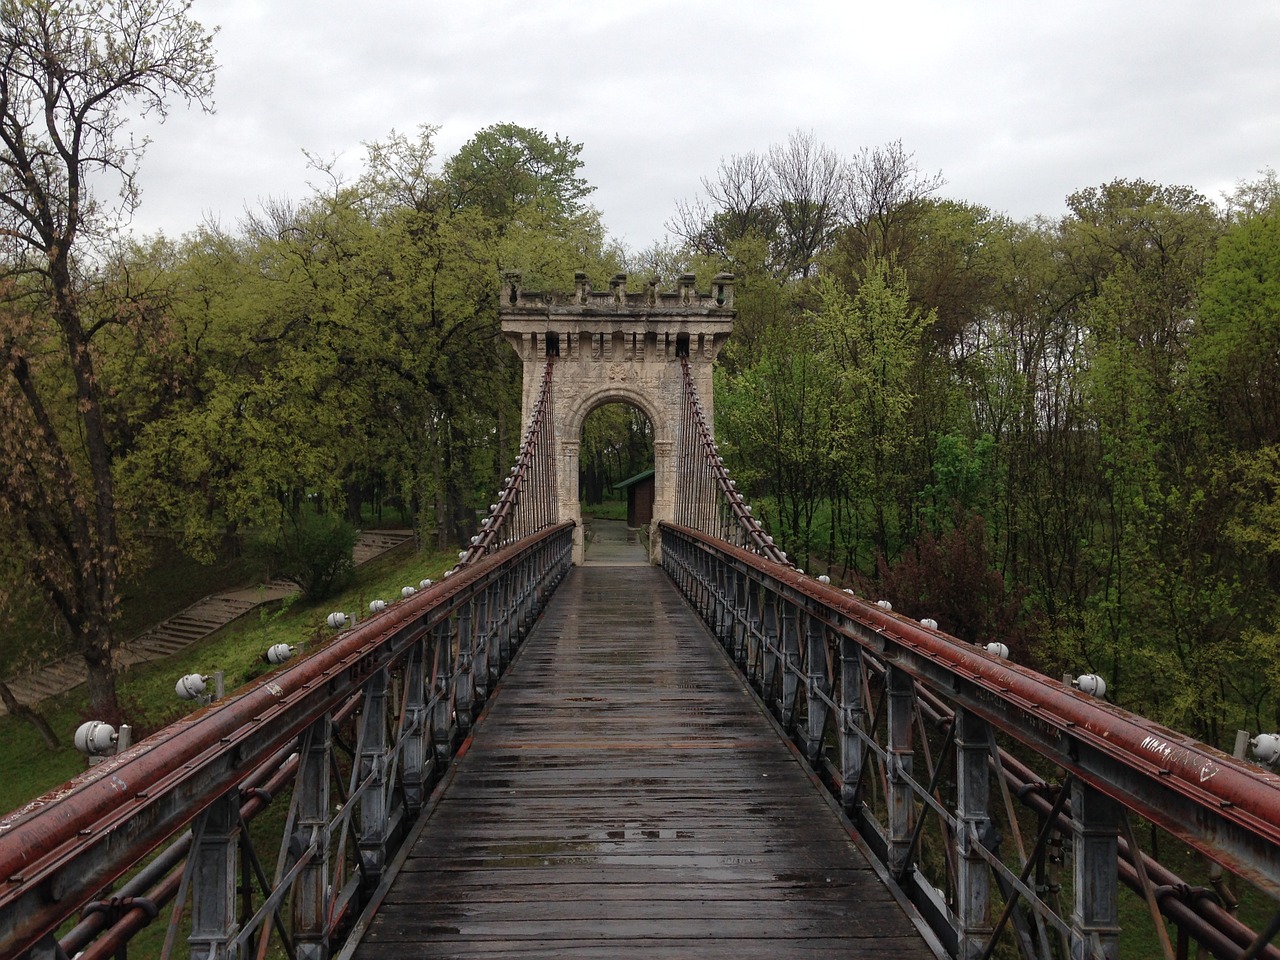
(416, 759)
(442, 682)
(374, 826)
(817, 689)
(665, 483)
(567, 480)
(973, 794)
(789, 664)
(851, 718)
(465, 686)
(311, 801)
(902, 808)
(213, 879)
(1095, 922)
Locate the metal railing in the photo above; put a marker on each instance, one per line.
(360, 730)
(708, 499)
(529, 498)
(916, 732)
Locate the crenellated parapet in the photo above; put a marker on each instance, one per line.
(646, 325)
(684, 299)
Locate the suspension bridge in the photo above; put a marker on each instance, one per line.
(681, 747)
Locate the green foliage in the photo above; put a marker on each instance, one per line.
(1080, 415)
(348, 347)
(506, 169)
(617, 444)
(963, 480)
(1237, 354)
(822, 416)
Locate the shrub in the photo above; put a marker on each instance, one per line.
(315, 552)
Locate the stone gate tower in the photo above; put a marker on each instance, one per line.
(618, 346)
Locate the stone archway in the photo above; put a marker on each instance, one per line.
(571, 417)
(624, 347)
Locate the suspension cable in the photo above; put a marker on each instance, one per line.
(529, 498)
(708, 500)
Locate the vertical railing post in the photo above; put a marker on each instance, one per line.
(442, 675)
(769, 642)
(465, 683)
(817, 687)
(311, 797)
(693, 571)
(489, 666)
(741, 622)
(711, 569)
(506, 620)
(214, 878)
(525, 579)
(416, 761)
(374, 825)
(706, 600)
(851, 718)
(789, 665)
(755, 632)
(722, 620)
(973, 792)
(901, 760)
(1095, 925)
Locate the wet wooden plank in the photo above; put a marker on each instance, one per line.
(625, 795)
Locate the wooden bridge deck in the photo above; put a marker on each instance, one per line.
(625, 796)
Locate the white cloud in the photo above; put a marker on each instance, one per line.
(1017, 103)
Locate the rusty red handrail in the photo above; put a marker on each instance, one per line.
(1091, 738)
(58, 850)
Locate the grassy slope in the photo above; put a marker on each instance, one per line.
(172, 582)
(27, 769)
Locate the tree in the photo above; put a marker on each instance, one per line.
(1236, 356)
(1161, 602)
(739, 204)
(617, 443)
(71, 75)
(884, 192)
(775, 424)
(808, 192)
(791, 199)
(873, 337)
(346, 352)
(506, 167)
(1235, 365)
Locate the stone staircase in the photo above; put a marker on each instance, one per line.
(185, 627)
(194, 623)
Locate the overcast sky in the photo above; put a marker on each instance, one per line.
(1016, 102)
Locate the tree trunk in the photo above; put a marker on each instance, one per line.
(29, 714)
(98, 658)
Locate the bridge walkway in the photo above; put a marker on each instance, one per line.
(625, 797)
